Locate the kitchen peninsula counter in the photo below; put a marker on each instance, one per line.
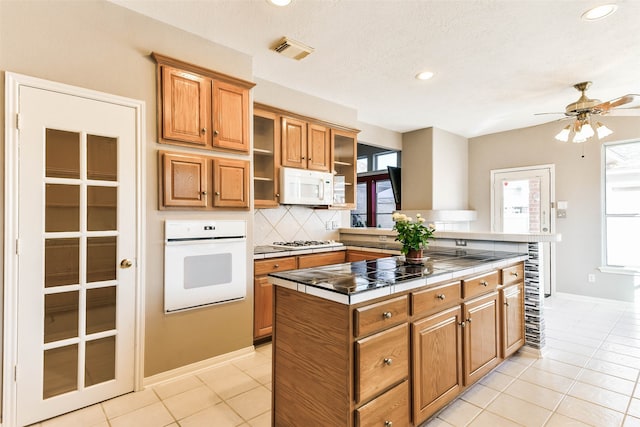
(381, 342)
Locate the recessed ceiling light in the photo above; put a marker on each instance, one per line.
(280, 2)
(425, 75)
(599, 12)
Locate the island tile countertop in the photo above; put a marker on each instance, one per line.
(355, 282)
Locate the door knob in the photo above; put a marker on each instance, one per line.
(126, 263)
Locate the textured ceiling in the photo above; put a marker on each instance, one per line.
(496, 62)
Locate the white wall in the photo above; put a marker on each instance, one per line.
(578, 181)
(450, 164)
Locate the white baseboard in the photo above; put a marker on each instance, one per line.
(193, 368)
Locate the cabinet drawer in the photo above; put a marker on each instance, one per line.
(392, 408)
(374, 317)
(315, 260)
(381, 361)
(274, 264)
(513, 274)
(440, 297)
(480, 284)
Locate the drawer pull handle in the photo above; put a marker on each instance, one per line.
(276, 265)
(462, 324)
(387, 315)
(441, 297)
(514, 273)
(388, 424)
(387, 361)
(484, 283)
(469, 320)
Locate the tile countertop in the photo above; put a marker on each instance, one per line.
(355, 282)
(468, 235)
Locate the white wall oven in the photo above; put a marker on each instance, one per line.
(205, 262)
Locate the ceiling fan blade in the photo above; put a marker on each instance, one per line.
(607, 106)
(563, 113)
(627, 112)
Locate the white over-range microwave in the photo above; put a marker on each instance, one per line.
(305, 187)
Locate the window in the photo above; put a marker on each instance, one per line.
(622, 204)
(386, 159)
(375, 202)
(362, 164)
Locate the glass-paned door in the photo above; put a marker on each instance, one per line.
(385, 204)
(77, 242)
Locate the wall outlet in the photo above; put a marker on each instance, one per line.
(591, 278)
(382, 238)
(327, 225)
(335, 225)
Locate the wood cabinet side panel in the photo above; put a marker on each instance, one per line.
(310, 360)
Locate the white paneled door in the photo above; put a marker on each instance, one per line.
(76, 267)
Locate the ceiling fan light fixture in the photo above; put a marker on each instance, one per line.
(587, 130)
(279, 2)
(602, 130)
(599, 12)
(563, 135)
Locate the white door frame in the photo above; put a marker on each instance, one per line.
(552, 210)
(13, 82)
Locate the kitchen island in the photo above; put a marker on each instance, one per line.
(384, 343)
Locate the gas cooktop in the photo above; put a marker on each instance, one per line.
(306, 244)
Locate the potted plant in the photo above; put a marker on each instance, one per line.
(413, 235)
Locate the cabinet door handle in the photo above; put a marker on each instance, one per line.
(302, 158)
(387, 315)
(507, 304)
(469, 320)
(462, 324)
(514, 273)
(277, 194)
(388, 424)
(204, 193)
(441, 297)
(215, 133)
(387, 361)
(484, 283)
(217, 193)
(203, 130)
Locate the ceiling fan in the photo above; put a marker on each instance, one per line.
(584, 108)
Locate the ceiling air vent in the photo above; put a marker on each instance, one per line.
(292, 49)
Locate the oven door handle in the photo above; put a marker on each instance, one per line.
(180, 242)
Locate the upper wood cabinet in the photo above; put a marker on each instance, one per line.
(184, 179)
(230, 116)
(294, 143)
(230, 183)
(185, 110)
(305, 145)
(344, 168)
(318, 147)
(198, 107)
(266, 158)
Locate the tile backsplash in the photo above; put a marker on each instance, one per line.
(290, 222)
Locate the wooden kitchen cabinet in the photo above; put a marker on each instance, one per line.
(437, 362)
(184, 180)
(305, 145)
(452, 341)
(230, 116)
(198, 107)
(230, 183)
(185, 106)
(481, 336)
(263, 309)
(266, 158)
(356, 255)
(344, 146)
(198, 181)
(512, 298)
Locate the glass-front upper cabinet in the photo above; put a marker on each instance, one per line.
(266, 160)
(344, 168)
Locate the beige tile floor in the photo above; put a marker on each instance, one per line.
(587, 377)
